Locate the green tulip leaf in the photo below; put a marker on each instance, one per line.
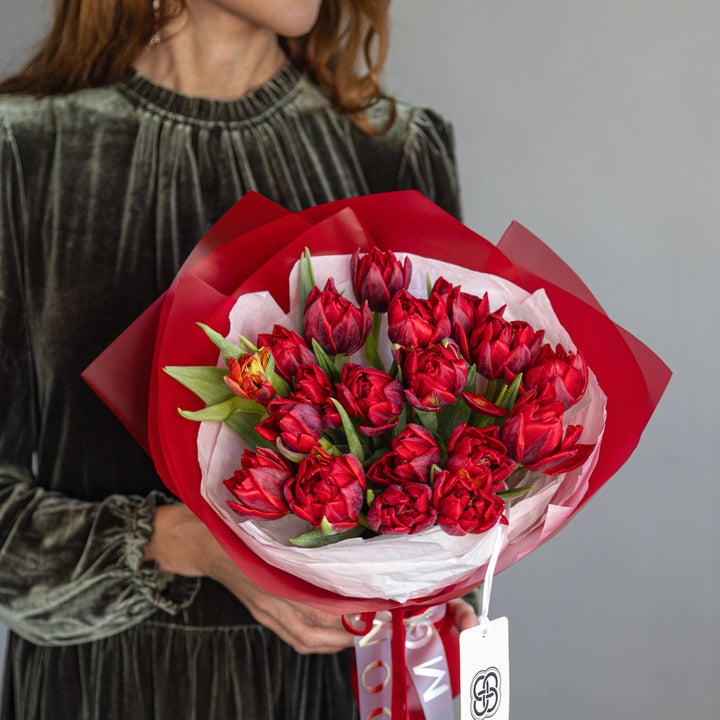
(428, 419)
(451, 416)
(222, 411)
(228, 349)
(509, 396)
(472, 376)
(280, 385)
(246, 346)
(514, 493)
(306, 281)
(354, 443)
(325, 362)
(205, 381)
(243, 424)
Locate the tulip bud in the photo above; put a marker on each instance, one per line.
(313, 386)
(288, 349)
(502, 348)
(566, 373)
(295, 427)
(334, 322)
(480, 453)
(413, 452)
(378, 276)
(465, 312)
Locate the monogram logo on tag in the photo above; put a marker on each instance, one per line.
(485, 694)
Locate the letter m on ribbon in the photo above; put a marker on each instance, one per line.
(431, 689)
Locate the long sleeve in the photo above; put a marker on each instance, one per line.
(70, 570)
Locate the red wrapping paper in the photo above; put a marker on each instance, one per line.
(253, 248)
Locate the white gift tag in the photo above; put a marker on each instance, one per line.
(485, 672)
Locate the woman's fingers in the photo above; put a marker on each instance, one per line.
(306, 629)
(464, 613)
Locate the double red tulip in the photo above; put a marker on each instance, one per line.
(465, 311)
(378, 276)
(288, 350)
(294, 426)
(312, 386)
(372, 395)
(533, 436)
(464, 505)
(414, 321)
(258, 487)
(413, 452)
(327, 487)
(501, 348)
(433, 376)
(480, 453)
(334, 322)
(402, 508)
(566, 373)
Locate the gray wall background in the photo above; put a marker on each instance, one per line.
(595, 125)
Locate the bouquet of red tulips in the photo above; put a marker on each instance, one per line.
(421, 408)
(413, 423)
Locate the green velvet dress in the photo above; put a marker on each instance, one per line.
(102, 195)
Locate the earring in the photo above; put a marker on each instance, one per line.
(156, 39)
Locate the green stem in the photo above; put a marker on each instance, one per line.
(371, 344)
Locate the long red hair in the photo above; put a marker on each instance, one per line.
(92, 43)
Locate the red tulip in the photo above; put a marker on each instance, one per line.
(480, 453)
(327, 487)
(433, 376)
(502, 348)
(412, 454)
(372, 395)
(294, 426)
(334, 322)
(566, 373)
(402, 508)
(533, 436)
(258, 487)
(464, 505)
(312, 386)
(378, 276)
(412, 321)
(465, 311)
(288, 350)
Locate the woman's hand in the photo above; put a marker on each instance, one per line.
(463, 613)
(182, 544)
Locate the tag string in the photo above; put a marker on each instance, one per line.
(484, 622)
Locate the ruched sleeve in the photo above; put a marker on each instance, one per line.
(71, 571)
(428, 160)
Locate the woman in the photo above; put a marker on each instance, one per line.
(153, 119)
